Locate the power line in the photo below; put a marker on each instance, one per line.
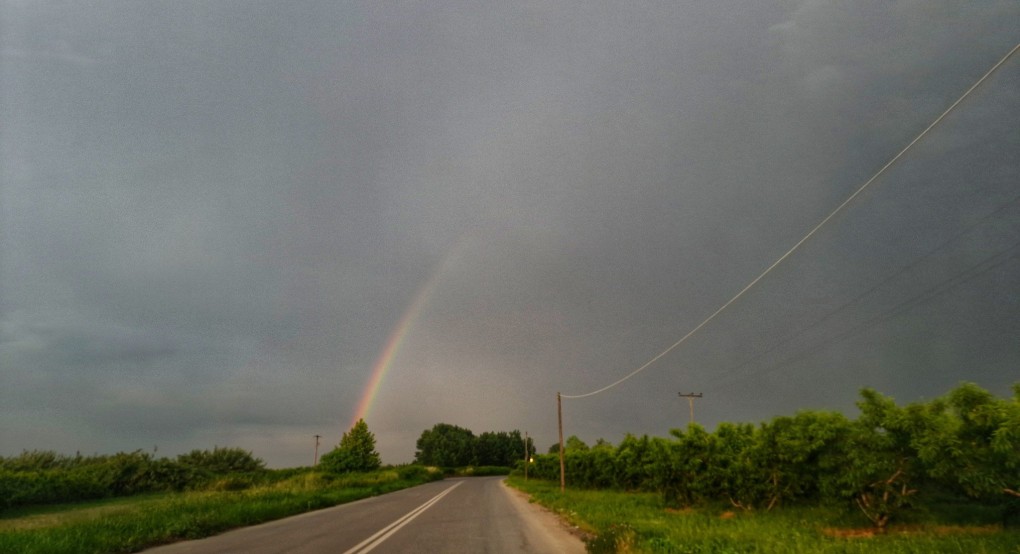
(814, 325)
(940, 288)
(808, 235)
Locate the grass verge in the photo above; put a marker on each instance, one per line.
(132, 524)
(639, 522)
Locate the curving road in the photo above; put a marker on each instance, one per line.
(472, 515)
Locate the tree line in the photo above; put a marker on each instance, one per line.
(963, 446)
(446, 445)
(39, 477)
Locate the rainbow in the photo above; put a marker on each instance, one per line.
(392, 347)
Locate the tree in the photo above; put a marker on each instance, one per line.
(634, 455)
(572, 444)
(356, 452)
(446, 445)
(526, 450)
(797, 454)
(489, 449)
(882, 466)
(575, 444)
(681, 468)
(222, 460)
(499, 448)
(1006, 444)
(736, 466)
(981, 455)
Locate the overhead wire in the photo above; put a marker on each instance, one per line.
(984, 266)
(815, 324)
(810, 233)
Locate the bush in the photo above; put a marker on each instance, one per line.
(42, 477)
(616, 538)
(481, 471)
(231, 483)
(37, 460)
(415, 472)
(356, 452)
(222, 460)
(886, 463)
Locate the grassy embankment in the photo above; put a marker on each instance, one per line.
(639, 522)
(134, 523)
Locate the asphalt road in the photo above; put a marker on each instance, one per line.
(472, 515)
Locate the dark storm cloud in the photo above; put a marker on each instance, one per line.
(214, 215)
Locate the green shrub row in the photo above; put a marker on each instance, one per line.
(452, 446)
(41, 477)
(168, 518)
(891, 458)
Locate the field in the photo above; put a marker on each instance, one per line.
(934, 476)
(640, 522)
(130, 524)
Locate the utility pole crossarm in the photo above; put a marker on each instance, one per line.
(690, 400)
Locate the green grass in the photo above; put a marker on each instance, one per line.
(49, 515)
(639, 522)
(133, 524)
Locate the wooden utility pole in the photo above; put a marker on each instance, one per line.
(316, 459)
(559, 416)
(526, 456)
(690, 400)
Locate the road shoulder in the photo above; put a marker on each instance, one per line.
(553, 528)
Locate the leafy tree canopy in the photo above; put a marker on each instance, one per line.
(356, 452)
(222, 460)
(446, 445)
(575, 444)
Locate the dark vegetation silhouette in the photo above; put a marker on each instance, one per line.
(450, 446)
(356, 452)
(962, 448)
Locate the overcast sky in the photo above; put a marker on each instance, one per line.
(216, 214)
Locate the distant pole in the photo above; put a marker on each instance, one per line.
(690, 400)
(316, 459)
(559, 415)
(526, 457)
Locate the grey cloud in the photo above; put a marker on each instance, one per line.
(210, 233)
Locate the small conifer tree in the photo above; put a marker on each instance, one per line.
(356, 452)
